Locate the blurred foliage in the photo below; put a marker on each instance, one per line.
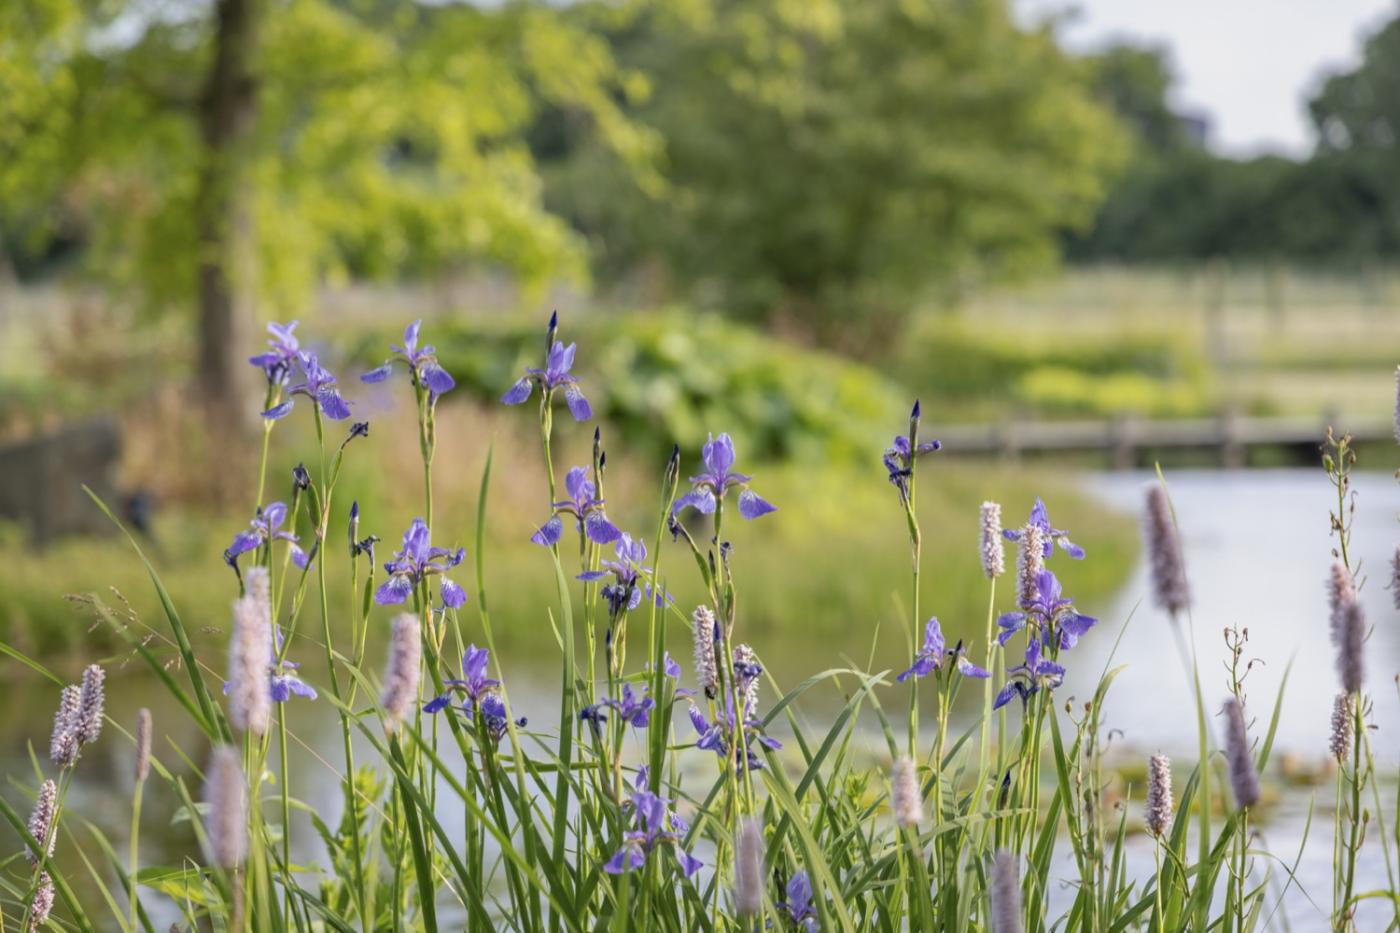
(1061, 390)
(1176, 201)
(390, 140)
(830, 566)
(831, 163)
(973, 371)
(674, 376)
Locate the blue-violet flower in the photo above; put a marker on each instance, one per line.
(712, 485)
(422, 363)
(586, 509)
(1052, 536)
(416, 561)
(930, 657)
(558, 361)
(318, 385)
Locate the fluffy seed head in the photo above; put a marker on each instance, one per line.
(1340, 743)
(249, 658)
(1341, 590)
(1030, 562)
(1005, 894)
(41, 821)
(703, 625)
(42, 903)
(1397, 404)
(90, 700)
(748, 868)
(1351, 645)
(1395, 577)
(401, 674)
(993, 556)
(1159, 794)
(905, 799)
(1164, 550)
(63, 745)
(1244, 779)
(257, 587)
(143, 744)
(226, 793)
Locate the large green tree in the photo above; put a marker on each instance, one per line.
(1177, 201)
(831, 162)
(215, 155)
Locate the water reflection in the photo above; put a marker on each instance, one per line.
(1257, 555)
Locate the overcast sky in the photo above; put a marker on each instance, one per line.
(1246, 65)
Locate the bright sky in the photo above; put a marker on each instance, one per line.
(1247, 65)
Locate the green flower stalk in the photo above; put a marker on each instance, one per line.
(900, 459)
(141, 771)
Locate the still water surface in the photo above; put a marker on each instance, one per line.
(1257, 550)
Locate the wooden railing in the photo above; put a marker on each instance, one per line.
(1125, 440)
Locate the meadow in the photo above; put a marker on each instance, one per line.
(678, 782)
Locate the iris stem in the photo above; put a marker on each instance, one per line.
(286, 809)
(268, 401)
(916, 546)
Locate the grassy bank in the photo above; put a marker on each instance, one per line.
(833, 570)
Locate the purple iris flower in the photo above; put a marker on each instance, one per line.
(672, 669)
(595, 715)
(900, 455)
(632, 708)
(318, 385)
(630, 579)
(798, 906)
(263, 529)
(718, 479)
(495, 718)
(282, 680)
(1025, 679)
(654, 825)
(480, 694)
(474, 684)
(930, 657)
(558, 361)
(422, 363)
(416, 561)
(282, 352)
(1049, 613)
(586, 510)
(1040, 518)
(715, 736)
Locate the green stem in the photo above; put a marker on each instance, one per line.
(262, 463)
(286, 810)
(916, 547)
(1354, 844)
(270, 399)
(133, 863)
(1157, 918)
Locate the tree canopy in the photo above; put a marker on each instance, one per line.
(1176, 201)
(390, 137)
(826, 156)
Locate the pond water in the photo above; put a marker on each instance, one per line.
(1257, 552)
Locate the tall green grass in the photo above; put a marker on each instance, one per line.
(474, 818)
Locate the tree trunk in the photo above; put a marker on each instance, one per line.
(227, 113)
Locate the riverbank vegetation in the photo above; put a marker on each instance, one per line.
(681, 782)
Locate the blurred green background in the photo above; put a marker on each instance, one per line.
(781, 218)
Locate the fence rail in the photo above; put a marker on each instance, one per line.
(1126, 439)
